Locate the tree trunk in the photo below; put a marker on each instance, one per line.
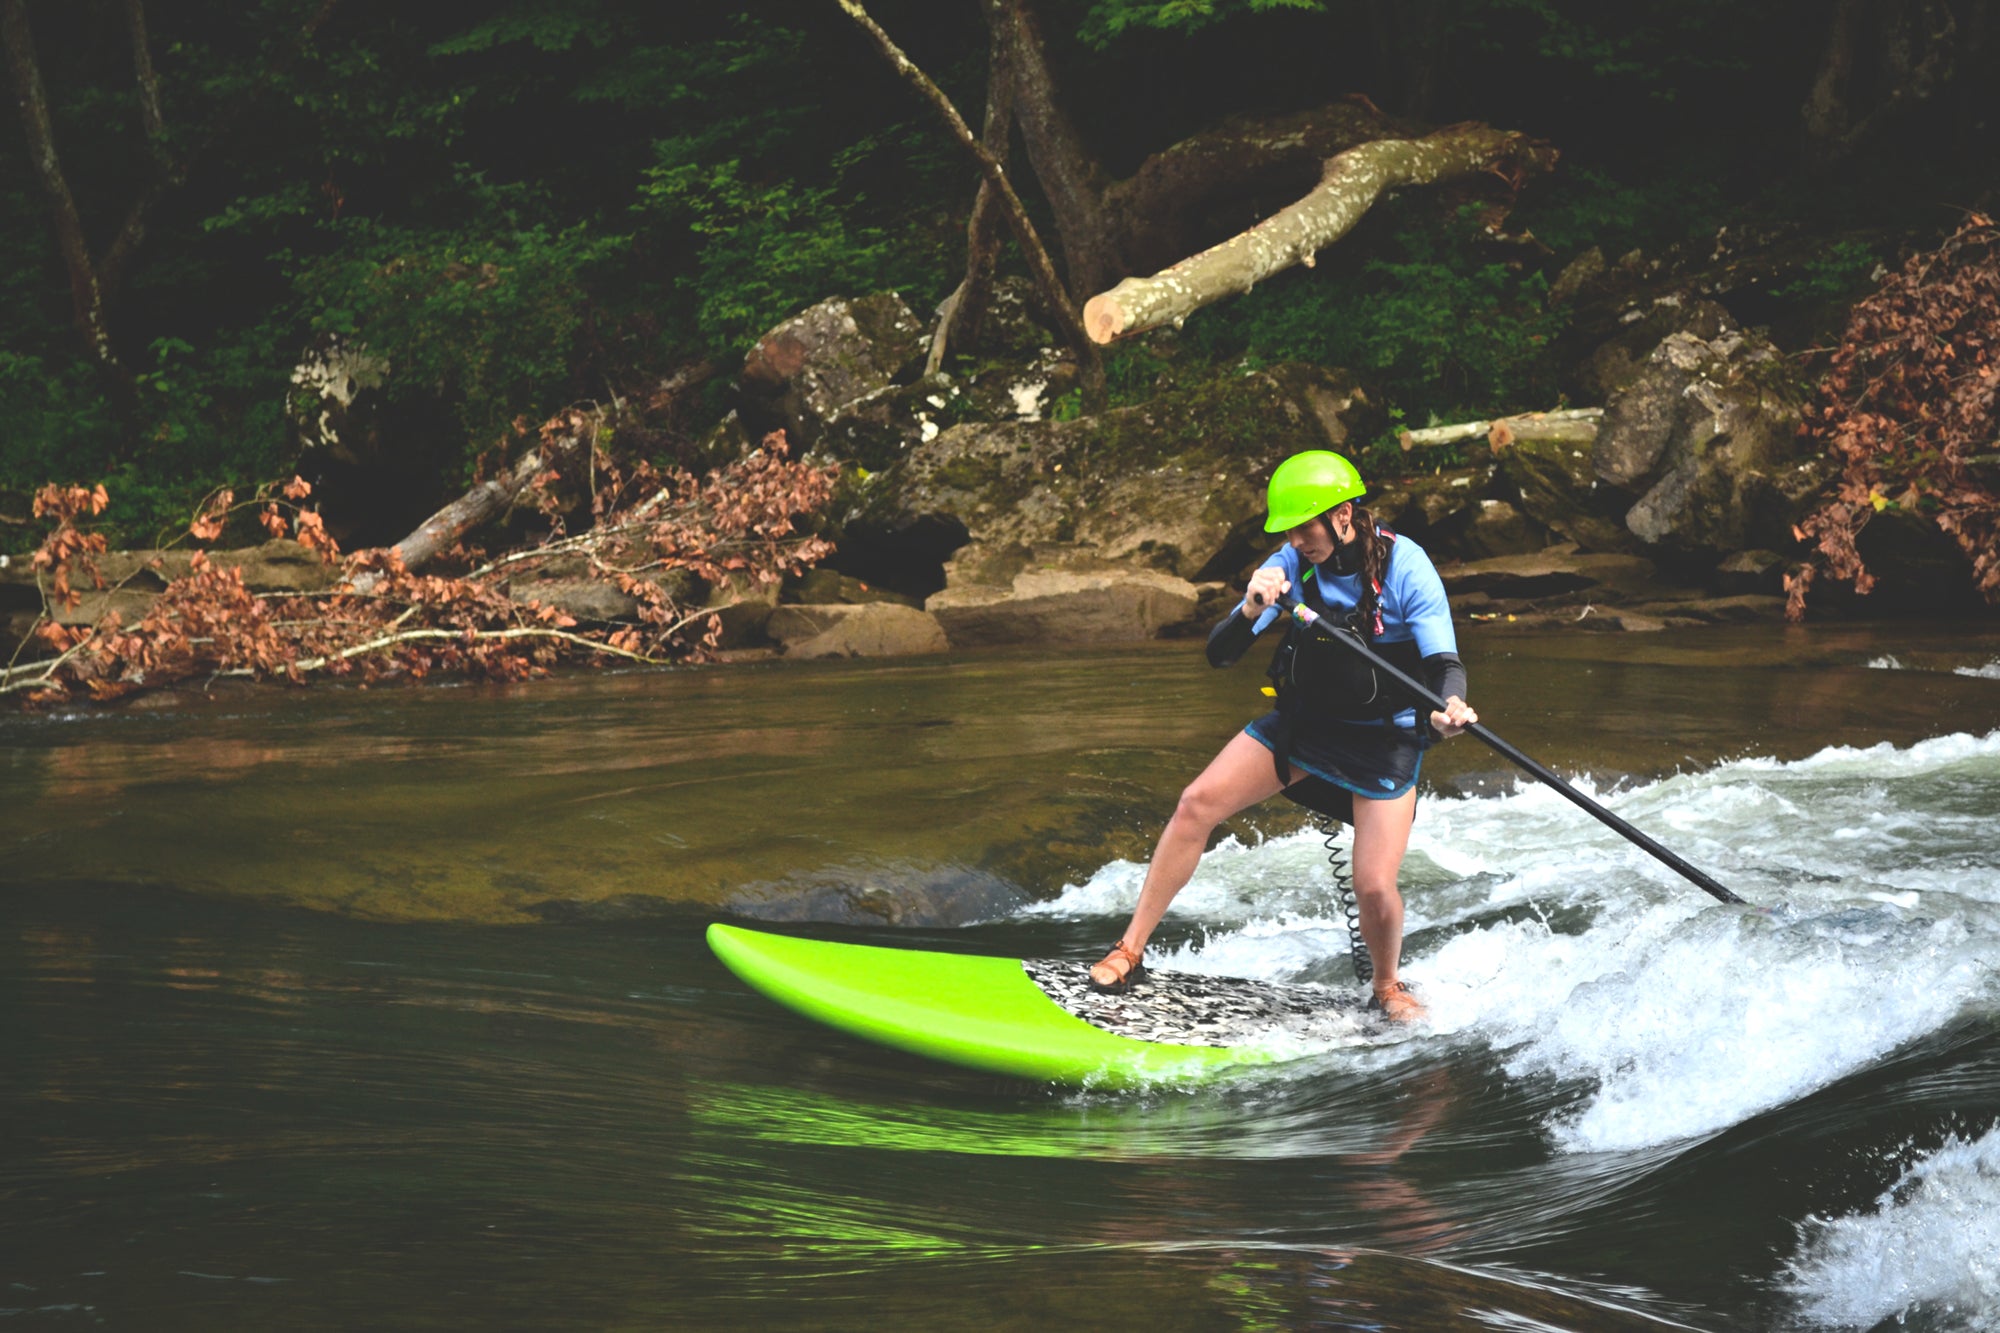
(1073, 182)
(1825, 114)
(1351, 184)
(1570, 425)
(964, 311)
(1211, 185)
(86, 292)
(1883, 59)
(1409, 40)
(1090, 365)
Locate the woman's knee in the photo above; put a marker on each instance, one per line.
(1377, 895)
(1201, 807)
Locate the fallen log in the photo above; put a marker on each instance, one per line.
(491, 497)
(1348, 188)
(1570, 425)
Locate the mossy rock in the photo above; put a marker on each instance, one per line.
(1169, 485)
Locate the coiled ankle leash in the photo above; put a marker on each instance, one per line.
(1339, 858)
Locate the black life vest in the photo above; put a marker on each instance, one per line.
(1317, 680)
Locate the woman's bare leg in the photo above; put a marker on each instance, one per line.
(1381, 836)
(1236, 779)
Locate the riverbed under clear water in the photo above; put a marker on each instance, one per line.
(389, 1009)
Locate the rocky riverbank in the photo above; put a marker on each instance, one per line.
(980, 507)
(983, 514)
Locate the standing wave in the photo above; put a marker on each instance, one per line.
(1543, 937)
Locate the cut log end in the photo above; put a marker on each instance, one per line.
(1103, 319)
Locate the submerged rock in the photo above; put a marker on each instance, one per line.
(871, 629)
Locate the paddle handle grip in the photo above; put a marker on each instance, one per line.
(1423, 694)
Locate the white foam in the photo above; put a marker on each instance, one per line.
(1991, 671)
(1571, 953)
(1682, 1023)
(1931, 1247)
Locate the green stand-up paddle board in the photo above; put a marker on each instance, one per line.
(1039, 1019)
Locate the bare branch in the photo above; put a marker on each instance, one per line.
(149, 86)
(1351, 184)
(1575, 424)
(1039, 264)
(376, 645)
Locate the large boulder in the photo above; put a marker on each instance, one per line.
(330, 407)
(1705, 444)
(802, 373)
(1552, 479)
(1065, 606)
(1622, 357)
(1175, 485)
(1554, 574)
(1500, 529)
(1436, 508)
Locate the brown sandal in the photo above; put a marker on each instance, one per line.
(1398, 1003)
(1123, 978)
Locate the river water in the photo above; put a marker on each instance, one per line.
(390, 1009)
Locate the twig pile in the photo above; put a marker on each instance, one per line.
(680, 547)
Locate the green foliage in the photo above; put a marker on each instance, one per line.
(54, 419)
(1107, 20)
(770, 212)
(1580, 207)
(1134, 372)
(547, 28)
(484, 317)
(762, 251)
(1660, 48)
(1446, 331)
(1839, 272)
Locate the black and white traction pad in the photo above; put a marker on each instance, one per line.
(1190, 1009)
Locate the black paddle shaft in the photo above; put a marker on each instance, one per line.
(1307, 617)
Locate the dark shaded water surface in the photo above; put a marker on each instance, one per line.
(390, 1009)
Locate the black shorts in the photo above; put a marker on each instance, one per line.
(1376, 760)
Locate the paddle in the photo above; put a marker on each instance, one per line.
(1306, 616)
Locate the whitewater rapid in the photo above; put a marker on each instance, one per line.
(1536, 933)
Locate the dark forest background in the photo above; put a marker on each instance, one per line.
(524, 205)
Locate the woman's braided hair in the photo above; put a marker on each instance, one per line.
(1374, 565)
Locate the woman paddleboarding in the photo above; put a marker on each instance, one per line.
(1339, 727)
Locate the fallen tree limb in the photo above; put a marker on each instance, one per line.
(1570, 423)
(1348, 188)
(562, 436)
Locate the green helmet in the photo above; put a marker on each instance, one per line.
(1307, 485)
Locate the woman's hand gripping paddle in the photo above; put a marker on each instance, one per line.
(1421, 694)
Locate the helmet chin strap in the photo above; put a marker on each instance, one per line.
(1346, 557)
